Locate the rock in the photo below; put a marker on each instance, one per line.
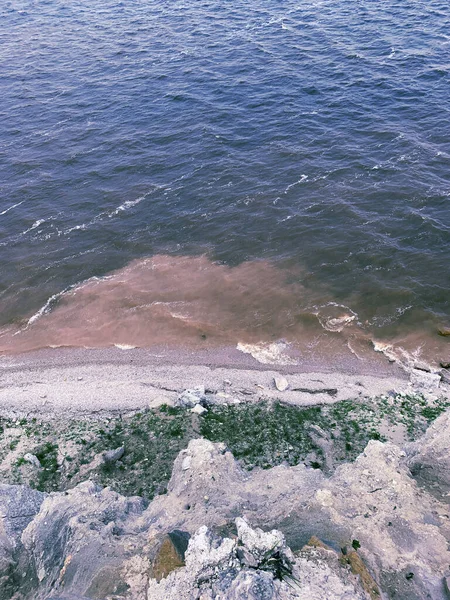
(189, 398)
(256, 566)
(447, 585)
(112, 456)
(358, 567)
(19, 504)
(218, 399)
(93, 527)
(445, 377)
(281, 383)
(198, 409)
(444, 331)
(186, 463)
(32, 459)
(429, 458)
(421, 366)
(171, 554)
(90, 542)
(427, 382)
(445, 364)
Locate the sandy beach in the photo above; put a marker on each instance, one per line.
(84, 381)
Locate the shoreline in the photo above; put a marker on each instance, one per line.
(112, 380)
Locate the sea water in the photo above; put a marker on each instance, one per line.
(225, 173)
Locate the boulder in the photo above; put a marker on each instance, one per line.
(219, 569)
(429, 458)
(112, 456)
(189, 398)
(423, 381)
(32, 459)
(199, 409)
(281, 383)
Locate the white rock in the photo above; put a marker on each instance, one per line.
(186, 464)
(281, 383)
(32, 459)
(198, 409)
(191, 397)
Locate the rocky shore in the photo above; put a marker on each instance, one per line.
(227, 483)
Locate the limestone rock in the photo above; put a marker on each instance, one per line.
(429, 458)
(422, 381)
(90, 542)
(214, 570)
(445, 376)
(199, 409)
(112, 456)
(19, 504)
(281, 383)
(32, 459)
(189, 398)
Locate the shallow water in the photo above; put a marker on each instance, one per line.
(288, 163)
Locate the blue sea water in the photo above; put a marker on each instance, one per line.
(310, 136)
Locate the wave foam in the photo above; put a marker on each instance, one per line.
(267, 354)
(11, 207)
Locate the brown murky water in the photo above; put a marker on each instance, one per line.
(265, 310)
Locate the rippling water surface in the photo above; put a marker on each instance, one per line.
(259, 170)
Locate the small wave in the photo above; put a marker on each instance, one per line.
(267, 354)
(126, 205)
(46, 308)
(381, 321)
(398, 354)
(301, 180)
(392, 54)
(11, 207)
(338, 317)
(125, 346)
(353, 351)
(81, 227)
(35, 225)
(122, 208)
(53, 300)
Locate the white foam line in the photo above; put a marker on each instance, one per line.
(45, 309)
(52, 301)
(129, 204)
(301, 180)
(34, 226)
(11, 207)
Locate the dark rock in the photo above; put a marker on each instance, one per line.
(180, 540)
(445, 364)
(444, 331)
(171, 554)
(445, 377)
(447, 585)
(18, 506)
